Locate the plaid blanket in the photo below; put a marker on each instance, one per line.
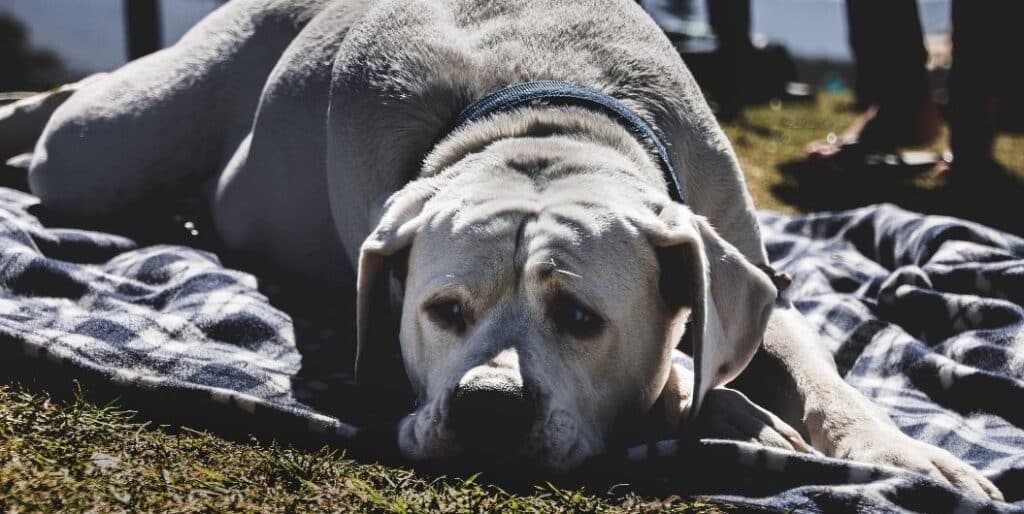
(922, 313)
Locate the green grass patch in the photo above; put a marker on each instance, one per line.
(75, 456)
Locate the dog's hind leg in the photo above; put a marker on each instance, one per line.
(23, 121)
(164, 124)
(271, 199)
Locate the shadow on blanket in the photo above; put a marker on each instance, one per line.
(983, 196)
(923, 314)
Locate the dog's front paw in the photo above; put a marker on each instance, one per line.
(729, 414)
(889, 446)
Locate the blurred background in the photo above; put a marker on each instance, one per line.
(79, 37)
(796, 89)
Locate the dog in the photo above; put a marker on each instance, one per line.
(545, 271)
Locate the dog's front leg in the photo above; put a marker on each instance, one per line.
(795, 376)
(726, 414)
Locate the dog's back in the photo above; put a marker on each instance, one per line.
(479, 45)
(245, 94)
(409, 67)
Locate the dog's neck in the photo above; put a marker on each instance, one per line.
(542, 121)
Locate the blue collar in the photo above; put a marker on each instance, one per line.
(553, 92)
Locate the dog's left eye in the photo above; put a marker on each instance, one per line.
(572, 318)
(447, 314)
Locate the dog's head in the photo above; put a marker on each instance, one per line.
(545, 287)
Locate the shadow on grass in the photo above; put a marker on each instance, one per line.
(989, 196)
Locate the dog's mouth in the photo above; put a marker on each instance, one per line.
(548, 443)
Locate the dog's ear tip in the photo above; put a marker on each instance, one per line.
(780, 279)
(692, 409)
(373, 244)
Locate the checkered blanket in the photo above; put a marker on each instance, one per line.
(923, 315)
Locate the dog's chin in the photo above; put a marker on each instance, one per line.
(422, 436)
(556, 447)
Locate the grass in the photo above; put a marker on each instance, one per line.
(771, 140)
(77, 455)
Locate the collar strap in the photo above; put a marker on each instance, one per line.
(552, 92)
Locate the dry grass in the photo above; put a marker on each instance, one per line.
(77, 456)
(771, 142)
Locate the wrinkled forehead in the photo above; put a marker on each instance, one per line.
(454, 247)
(503, 240)
(588, 240)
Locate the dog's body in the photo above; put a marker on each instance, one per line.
(534, 226)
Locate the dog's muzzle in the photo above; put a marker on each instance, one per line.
(492, 415)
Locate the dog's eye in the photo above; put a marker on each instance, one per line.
(572, 318)
(447, 314)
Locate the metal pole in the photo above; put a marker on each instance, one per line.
(142, 18)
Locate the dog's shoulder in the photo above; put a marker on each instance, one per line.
(412, 65)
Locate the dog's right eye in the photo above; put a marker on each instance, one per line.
(447, 314)
(573, 318)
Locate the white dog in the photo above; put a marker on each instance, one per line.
(545, 272)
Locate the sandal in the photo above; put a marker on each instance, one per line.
(853, 153)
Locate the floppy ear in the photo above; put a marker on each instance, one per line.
(730, 298)
(377, 317)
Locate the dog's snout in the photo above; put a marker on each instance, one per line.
(491, 414)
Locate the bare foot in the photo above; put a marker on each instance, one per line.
(879, 129)
(833, 143)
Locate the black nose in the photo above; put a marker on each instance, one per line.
(492, 416)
